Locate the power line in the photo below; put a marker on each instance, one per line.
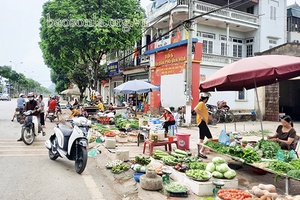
(188, 21)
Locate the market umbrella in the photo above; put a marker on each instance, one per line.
(135, 87)
(70, 92)
(253, 72)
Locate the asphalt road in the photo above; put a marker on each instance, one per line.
(28, 173)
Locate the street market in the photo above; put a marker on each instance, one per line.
(185, 170)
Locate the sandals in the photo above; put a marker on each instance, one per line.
(202, 156)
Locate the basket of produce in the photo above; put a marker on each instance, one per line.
(113, 163)
(119, 168)
(176, 189)
(233, 194)
(198, 175)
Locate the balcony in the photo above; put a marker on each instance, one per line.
(237, 20)
(217, 60)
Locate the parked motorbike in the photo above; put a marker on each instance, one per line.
(31, 127)
(70, 143)
(220, 113)
(58, 108)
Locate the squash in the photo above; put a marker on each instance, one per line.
(269, 187)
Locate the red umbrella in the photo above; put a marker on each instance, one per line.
(253, 72)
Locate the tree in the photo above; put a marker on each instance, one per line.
(79, 32)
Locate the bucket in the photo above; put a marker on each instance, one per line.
(183, 141)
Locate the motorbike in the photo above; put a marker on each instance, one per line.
(70, 142)
(51, 116)
(220, 113)
(31, 127)
(58, 107)
(19, 114)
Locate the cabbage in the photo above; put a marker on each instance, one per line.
(210, 167)
(217, 174)
(230, 174)
(222, 168)
(218, 160)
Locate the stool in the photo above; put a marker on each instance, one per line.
(159, 143)
(172, 128)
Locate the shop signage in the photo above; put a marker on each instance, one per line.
(113, 69)
(174, 55)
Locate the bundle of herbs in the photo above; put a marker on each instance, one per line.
(268, 148)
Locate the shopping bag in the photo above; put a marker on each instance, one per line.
(223, 138)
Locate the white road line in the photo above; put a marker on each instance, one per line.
(92, 186)
(22, 155)
(22, 150)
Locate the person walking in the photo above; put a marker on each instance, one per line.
(41, 106)
(202, 121)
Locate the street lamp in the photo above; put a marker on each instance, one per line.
(16, 64)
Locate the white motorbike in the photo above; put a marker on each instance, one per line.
(31, 127)
(70, 143)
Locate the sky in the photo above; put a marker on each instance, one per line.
(19, 37)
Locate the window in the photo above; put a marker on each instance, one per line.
(237, 50)
(249, 47)
(207, 46)
(223, 49)
(273, 12)
(241, 95)
(272, 41)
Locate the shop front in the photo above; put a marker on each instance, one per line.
(168, 70)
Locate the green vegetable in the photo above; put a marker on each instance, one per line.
(218, 160)
(230, 174)
(280, 166)
(295, 163)
(198, 174)
(197, 165)
(268, 148)
(250, 156)
(294, 173)
(217, 174)
(178, 151)
(176, 187)
(177, 155)
(210, 167)
(222, 168)
(142, 160)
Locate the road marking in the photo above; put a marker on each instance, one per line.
(92, 186)
(23, 150)
(22, 155)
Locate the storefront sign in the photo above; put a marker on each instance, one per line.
(113, 69)
(175, 55)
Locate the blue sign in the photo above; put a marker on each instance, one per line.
(113, 69)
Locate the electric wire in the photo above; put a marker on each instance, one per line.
(231, 5)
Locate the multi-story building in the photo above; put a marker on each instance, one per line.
(232, 30)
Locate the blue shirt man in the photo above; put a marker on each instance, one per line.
(21, 101)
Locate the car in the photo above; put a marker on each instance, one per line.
(5, 97)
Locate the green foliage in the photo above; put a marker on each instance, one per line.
(76, 34)
(268, 148)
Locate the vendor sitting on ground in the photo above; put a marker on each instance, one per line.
(100, 105)
(169, 120)
(285, 134)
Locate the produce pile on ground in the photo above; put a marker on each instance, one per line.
(233, 194)
(120, 122)
(117, 166)
(140, 163)
(176, 187)
(102, 128)
(219, 169)
(268, 192)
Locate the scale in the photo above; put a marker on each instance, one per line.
(166, 175)
(219, 184)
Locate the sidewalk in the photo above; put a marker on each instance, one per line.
(249, 131)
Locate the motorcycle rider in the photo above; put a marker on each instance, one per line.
(52, 107)
(32, 104)
(20, 104)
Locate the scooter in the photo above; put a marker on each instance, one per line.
(70, 143)
(31, 127)
(51, 116)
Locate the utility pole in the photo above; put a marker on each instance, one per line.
(188, 86)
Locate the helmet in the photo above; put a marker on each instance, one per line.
(53, 97)
(21, 94)
(30, 94)
(205, 94)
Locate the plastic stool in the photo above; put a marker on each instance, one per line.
(173, 128)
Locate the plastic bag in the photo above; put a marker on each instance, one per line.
(223, 138)
(285, 157)
(280, 155)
